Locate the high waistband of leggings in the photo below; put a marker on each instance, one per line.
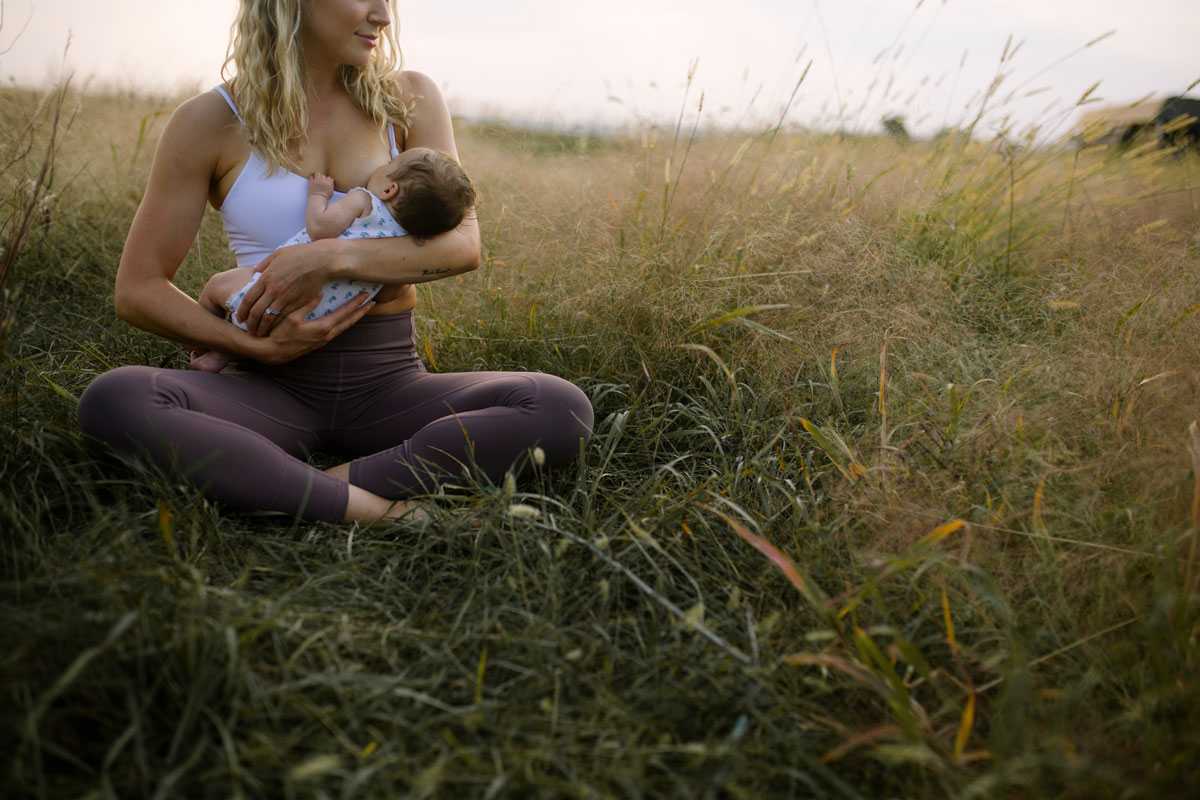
(375, 332)
(376, 344)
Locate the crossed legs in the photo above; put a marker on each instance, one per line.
(243, 439)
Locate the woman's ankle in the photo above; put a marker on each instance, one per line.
(340, 471)
(364, 507)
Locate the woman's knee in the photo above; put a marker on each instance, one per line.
(567, 417)
(567, 400)
(112, 404)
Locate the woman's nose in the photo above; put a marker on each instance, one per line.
(380, 14)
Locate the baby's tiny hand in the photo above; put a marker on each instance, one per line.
(320, 185)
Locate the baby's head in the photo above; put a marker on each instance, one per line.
(426, 190)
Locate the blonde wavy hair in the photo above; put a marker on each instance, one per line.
(267, 83)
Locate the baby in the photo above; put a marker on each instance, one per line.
(421, 193)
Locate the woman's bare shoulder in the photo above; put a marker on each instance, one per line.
(429, 124)
(203, 131)
(418, 87)
(208, 110)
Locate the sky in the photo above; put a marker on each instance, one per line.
(626, 62)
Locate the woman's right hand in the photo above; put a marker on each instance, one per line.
(292, 337)
(287, 278)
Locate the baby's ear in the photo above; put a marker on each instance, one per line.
(390, 191)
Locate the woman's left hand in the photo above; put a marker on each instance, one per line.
(290, 279)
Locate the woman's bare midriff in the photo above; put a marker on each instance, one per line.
(407, 301)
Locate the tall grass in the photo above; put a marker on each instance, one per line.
(890, 492)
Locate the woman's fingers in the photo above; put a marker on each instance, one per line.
(273, 303)
(350, 313)
(252, 296)
(289, 279)
(319, 331)
(336, 322)
(271, 307)
(295, 337)
(296, 317)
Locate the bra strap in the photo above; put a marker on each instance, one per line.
(229, 100)
(391, 139)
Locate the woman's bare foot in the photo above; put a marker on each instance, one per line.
(366, 507)
(209, 361)
(363, 506)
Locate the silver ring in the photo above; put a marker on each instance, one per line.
(273, 311)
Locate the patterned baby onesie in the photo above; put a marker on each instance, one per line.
(378, 224)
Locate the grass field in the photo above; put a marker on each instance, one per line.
(892, 491)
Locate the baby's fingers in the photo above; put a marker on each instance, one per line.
(319, 182)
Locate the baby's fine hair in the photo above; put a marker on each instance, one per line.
(435, 194)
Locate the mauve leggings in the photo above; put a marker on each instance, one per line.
(242, 436)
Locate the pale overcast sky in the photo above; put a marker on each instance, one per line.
(556, 62)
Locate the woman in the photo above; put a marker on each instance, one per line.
(316, 89)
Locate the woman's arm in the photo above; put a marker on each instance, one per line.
(294, 274)
(186, 165)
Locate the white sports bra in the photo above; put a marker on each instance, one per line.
(262, 211)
